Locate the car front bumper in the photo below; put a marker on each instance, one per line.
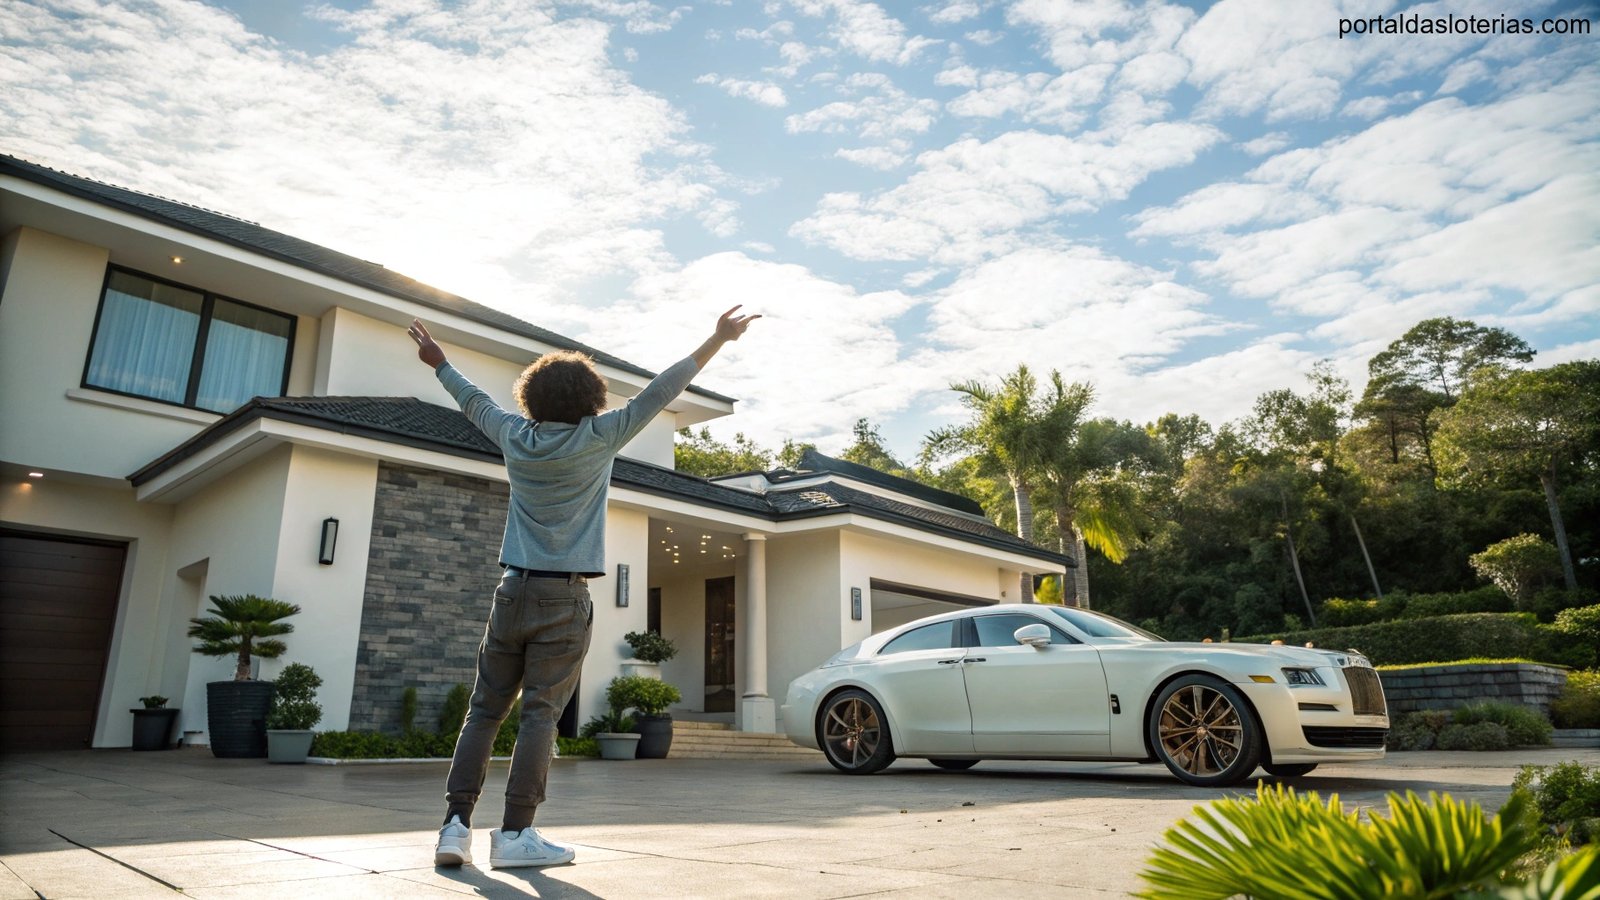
(1316, 723)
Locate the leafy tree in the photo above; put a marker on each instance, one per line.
(1003, 431)
(699, 453)
(243, 625)
(868, 450)
(1525, 424)
(1516, 565)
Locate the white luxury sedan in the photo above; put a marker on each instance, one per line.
(1027, 681)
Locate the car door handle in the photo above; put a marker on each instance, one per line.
(973, 659)
(948, 662)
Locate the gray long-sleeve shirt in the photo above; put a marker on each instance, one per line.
(560, 473)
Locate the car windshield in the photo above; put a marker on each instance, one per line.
(1103, 626)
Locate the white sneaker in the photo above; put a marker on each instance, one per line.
(526, 848)
(455, 844)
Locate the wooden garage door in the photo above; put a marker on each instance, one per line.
(58, 602)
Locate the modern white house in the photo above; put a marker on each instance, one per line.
(194, 405)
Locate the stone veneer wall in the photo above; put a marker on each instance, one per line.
(431, 576)
(1447, 687)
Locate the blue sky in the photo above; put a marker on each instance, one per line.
(1187, 204)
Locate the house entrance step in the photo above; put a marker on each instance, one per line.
(718, 740)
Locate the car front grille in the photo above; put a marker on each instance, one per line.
(1324, 736)
(1366, 691)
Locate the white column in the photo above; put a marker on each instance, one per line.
(758, 712)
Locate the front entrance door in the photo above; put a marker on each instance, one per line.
(58, 603)
(719, 644)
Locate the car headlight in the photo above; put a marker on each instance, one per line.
(1300, 677)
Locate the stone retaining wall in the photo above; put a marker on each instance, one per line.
(1447, 687)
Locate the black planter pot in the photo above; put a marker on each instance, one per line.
(655, 735)
(236, 716)
(152, 728)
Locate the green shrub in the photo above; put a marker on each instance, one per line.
(575, 747)
(609, 722)
(648, 696)
(354, 745)
(154, 701)
(1340, 613)
(1282, 844)
(650, 646)
(1481, 736)
(1578, 705)
(1524, 727)
(1417, 730)
(1563, 794)
(454, 709)
(1484, 599)
(408, 709)
(294, 699)
(1422, 640)
(1518, 566)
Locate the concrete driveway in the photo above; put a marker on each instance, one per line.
(114, 824)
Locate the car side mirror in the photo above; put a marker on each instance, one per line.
(1036, 635)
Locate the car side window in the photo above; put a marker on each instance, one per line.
(938, 636)
(999, 630)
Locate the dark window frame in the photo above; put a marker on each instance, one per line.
(197, 360)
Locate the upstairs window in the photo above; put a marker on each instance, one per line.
(179, 345)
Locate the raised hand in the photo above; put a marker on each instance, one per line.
(427, 351)
(730, 326)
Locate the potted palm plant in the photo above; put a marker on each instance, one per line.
(242, 626)
(649, 698)
(613, 731)
(152, 725)
(294, 713)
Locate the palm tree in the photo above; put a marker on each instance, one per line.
(1086, 483)
(1004, 433)
(245, 625)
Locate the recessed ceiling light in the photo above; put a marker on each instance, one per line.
(177, 260)
(35, 474)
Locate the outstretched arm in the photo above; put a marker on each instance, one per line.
(729, 328)
(493, 421)
(427, 351)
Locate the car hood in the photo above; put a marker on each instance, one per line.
(1275, 654)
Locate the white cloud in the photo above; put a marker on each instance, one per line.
(878, 110)
(822, 356)
(985, 37)
(1226, 205)
(1267, 143)
(763, 92)
(179, 99)
(1060, 100)
(865, 29)
(883, 158)
(966, 200)
(955, 11)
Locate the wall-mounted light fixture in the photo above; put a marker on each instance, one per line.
(622, 584)
(855, 604)
(330, 536)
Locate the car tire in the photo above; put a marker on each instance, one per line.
(854, 733)
(1205, 732)
(1288, 770)
(954, 765)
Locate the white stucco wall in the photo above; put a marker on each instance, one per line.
(320, 484)
(683, 621)
(807, 618)
(230, 531)
(627, 540)
(135, 664)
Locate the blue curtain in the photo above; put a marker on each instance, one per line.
(245, 352)
(145, 341)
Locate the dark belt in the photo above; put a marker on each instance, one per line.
(569, 577)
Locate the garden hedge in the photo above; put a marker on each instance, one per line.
(1436, 639)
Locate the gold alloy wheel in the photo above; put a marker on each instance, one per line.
(852, 731)
(1201, 731)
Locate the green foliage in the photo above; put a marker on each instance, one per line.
(1517, 565)
(1049, 591)
(1581, 622)
(1578, 705)
(647, 696)
(1484, 599)
(154, 701)
(1482, 736)
(376, 745)
(454, 709)
(650, 646)
(1524, 727)
(408, 709)
(244, 626)
(1563, 795)
(612, 721)
(1421, 640)
(1337, 612)
(294, 699)
(1574, 877)
(1284, 844)
(577, 747)
(1417, 730)
(698, 453)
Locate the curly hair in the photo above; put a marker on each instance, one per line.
(561, 387)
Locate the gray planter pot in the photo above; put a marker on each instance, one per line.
(152, 728)
(655, 735)
(617, 746)
(285, 746)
